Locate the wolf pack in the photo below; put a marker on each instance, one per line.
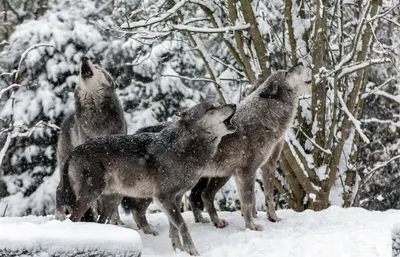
(101, 166)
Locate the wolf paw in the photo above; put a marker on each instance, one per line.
(59, 215)
(221, 223)
(203, 220)
(148, 230)
(117, 222)
(193, 251)
(274, 218)
(255, 227)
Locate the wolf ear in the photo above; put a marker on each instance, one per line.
(297, 69)
(271, 91)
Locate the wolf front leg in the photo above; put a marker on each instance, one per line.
(268, 177)
(169, 206)
(245, 179)
(60, 209)
(208, 197)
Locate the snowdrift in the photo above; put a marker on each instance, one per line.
(43, 236)
(353, 232)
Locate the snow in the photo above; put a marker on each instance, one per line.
(43, 235)
(332, 232)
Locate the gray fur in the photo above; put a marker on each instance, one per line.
(162, 166)
(98, 112)
(262, 120)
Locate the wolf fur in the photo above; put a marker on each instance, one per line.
(262, 120)
(162, 166)
(98, 112)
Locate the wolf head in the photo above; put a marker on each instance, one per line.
(92, 77)
(284, 85)
(210, 119)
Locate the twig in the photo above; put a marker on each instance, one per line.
(371, 172)
(211, 30)
(5, 210)
(355, 122)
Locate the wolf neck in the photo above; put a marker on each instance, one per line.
(271, 114)
(186, 143)
(91, 99)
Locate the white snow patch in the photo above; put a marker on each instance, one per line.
(329, 233)
(47, 236)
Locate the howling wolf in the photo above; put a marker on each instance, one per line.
(162, 166)
(262, 120)
(98, 112)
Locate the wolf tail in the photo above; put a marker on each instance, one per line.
(67, 197)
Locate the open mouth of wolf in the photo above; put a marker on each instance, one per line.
(228, 122)
(86, 71)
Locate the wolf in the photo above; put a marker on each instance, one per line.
(162, 166)
(98, 112)
(262, 120)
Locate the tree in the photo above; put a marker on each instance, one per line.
(337, 39)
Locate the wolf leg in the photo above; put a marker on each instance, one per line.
(139, 215)
(60, 210)
(208, 197)
(170, 208)
(82, 205)
(110, 206)
(87, 196)
(245, 179)
(173, 230)
(268, 177)
(195, 201)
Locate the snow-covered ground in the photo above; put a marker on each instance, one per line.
(332, 232)
(45, 237)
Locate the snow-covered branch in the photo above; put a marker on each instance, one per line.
(355, 122)
(377, 167)
(207, 60)
(4, 42)
(395, 98)
(8, 88)
(358, 66)
(381, 15)
(211, 30)
(327, 151)
(375, 120)
(154, 20)
(188, 78)
(25, 53)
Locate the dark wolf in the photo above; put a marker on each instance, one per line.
(98, 112)
(262, 120)
(162, 166)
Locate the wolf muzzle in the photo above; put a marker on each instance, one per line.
(86, 70)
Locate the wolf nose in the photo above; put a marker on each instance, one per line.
(85, 59)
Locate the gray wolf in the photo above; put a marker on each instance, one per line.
(262, 120)
(162, 166)
(98, 112)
